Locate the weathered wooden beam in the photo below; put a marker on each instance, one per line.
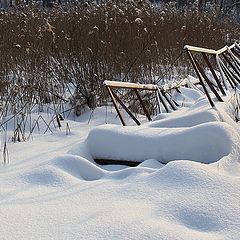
(199, 49)
(116, 106)
(176, 104)
(162, 100)
(235, 60)
(150, 87)
(116, 162)
(224, 49)
(206, 50)
(237, 47)
(158, 102)
(168, 100)
(125, 108)
(208, 82)
(233, 67)
(193, 61)
(143, 105)
(213, 73)
(229, 77)
(236, 52)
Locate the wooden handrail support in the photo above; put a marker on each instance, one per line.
(160, 94)
(207, 50)
(135, 87)
(231, 77)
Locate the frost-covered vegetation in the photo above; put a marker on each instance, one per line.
(227, 7)
(57, 58)
(43, 50)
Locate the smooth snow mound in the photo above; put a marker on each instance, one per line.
(200, 112)
(206, 143)
(78, 167)
(189, 118)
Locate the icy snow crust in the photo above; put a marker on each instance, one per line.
(52, 188)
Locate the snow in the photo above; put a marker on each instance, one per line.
(53, 189)
(200, 112)
(205, 143)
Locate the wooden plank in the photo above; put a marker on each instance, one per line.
(207, 50)
(222, 50)
(237, 46)
(199, 49)
(130, 85)
(224, 78)
(232, 46)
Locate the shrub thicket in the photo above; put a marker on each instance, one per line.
(45, 52)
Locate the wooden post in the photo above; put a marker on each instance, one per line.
(176, 104)
(235, 60)
(168, 100)
(158, 102)
(228, 76)
(142, 103)
(162, 101)
(213, 73)
(233, 67)
(200, 78)
(208, 82)
(125, 108)
(236, 52)
(116, 106)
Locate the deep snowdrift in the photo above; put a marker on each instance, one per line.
(200, 134)
(52, 188)
(205, 143)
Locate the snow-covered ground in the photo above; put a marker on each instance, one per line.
(53, 189)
